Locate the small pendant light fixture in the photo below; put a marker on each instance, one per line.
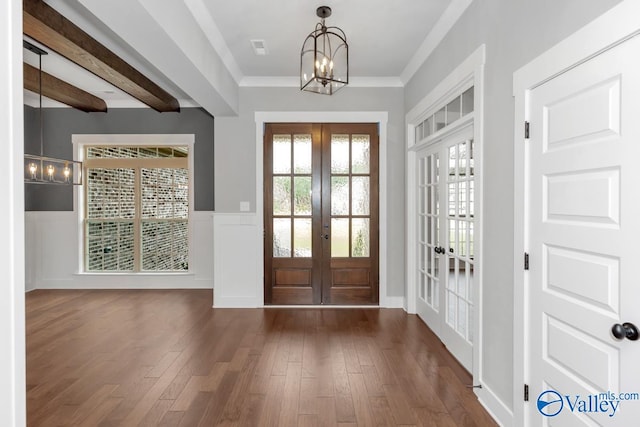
(324, 59)
(48, 170)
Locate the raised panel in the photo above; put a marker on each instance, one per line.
(585, 278)
(293, 277)
(591, 196)
(351, 277)
(592, 113)
(580, 356)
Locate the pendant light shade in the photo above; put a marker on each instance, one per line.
(324, 59)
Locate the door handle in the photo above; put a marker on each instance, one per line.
(438, 250)
(626, 330)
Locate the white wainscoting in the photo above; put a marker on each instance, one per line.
(52, 257)
(238, 261)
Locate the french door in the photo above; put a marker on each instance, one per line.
(445, 241)
(321, 213)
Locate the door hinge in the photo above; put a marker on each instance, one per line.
(526, 130)
(526, 261)
(526, 392)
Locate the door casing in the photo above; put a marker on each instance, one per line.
(380, 117)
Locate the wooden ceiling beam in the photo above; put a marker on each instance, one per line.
(45, 25)
(61, 91)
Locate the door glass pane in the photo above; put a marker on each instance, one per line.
(471, 196)
(281, 153)
(281, 237)
(302, 237)
(452, 198)
(462, 238)
(281, 195)
(451, 309)
(462, 279)
(471, 161)
(452, 234)
(339, 154)
(302, 154)
(462, 198)
(360, 237)
(339, 195)
(360, 154)
(360, 198)
(339, 237)
(302, 195)
(470, 283)
(462, 317)
(453, 157)
(462, 159)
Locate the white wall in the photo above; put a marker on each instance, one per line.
(514, 32)
(12, 329)
(52, 260)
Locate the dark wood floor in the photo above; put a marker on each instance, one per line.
(166, 358)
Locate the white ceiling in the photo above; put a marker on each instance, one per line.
(200, 50)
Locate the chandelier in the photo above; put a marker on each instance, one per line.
(40, 169)
(324, 59)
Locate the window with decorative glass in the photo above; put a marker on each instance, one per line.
(136, 209)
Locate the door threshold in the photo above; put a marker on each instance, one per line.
(320, 306)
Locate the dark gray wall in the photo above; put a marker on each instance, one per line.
(61, 123)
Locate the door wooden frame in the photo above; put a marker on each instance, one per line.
(380, 117)
(607, 31)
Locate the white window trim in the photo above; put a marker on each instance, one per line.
(607, 31)
(469, 73)
(80, 141)
(380, 117)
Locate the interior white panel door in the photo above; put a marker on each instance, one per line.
(584, 234)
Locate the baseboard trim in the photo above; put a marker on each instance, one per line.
(495, 406)
(393, 302)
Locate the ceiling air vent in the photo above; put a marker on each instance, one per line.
(259, 47)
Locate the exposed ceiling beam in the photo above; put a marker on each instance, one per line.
(61, 91)
(45, 25)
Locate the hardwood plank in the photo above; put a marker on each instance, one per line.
(120, 358)
(291, 395)
(360, 400)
